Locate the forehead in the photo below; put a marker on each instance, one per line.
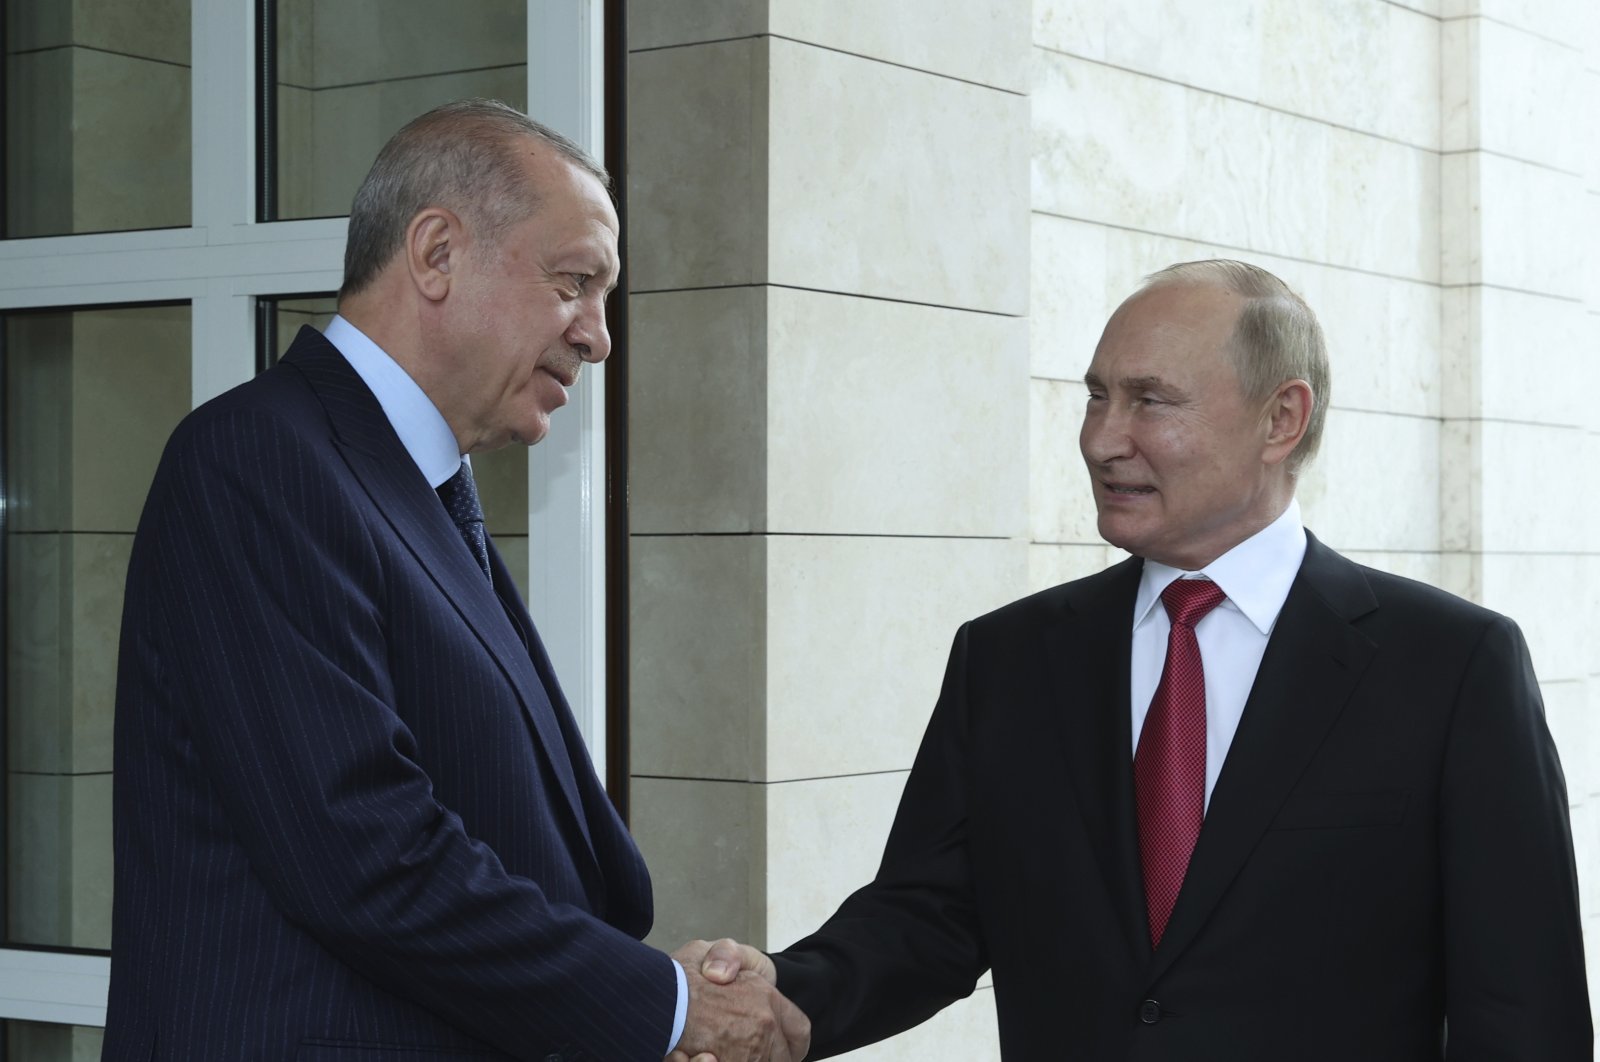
(1168, 330)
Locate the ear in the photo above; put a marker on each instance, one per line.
(434, 241)
(1288, 414)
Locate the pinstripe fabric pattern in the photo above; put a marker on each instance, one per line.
(353, 815)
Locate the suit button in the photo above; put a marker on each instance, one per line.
(1150, 1012)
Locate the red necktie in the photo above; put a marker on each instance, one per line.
(1169, 770)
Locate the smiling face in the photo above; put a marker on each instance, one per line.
(1184, 466)
(525, 311)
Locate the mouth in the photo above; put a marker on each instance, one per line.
(1126, 489)
(564, 377)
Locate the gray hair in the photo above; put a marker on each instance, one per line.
(1276, 339)
(461, 156)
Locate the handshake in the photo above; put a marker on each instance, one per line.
(736, 1013)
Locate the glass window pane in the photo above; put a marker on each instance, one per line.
(96, 116)
(350, 72)
(30, 1041)
(90, 398)
(279, 317)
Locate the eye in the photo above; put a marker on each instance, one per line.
(1096, 396)
(580, 279)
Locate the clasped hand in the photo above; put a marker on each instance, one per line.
(736, 1014)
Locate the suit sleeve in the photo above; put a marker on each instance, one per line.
(264, 595)
(1514, 965)
(909, 943)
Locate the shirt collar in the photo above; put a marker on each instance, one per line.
(414, 417)
(1256, 574)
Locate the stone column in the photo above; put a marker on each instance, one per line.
(828, 409)
(1519, 344)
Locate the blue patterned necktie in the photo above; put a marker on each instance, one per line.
(460, 496)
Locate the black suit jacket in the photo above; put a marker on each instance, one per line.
(354, 818)
(1387, 846)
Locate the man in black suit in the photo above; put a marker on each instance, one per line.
(1235, 798)
(354, 817)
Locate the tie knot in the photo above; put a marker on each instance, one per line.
(460, 496)
(1188, 600)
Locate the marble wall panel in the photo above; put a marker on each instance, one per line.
(983, 43)
(1070, 299)
(1061, 501)
(682, 22)
(1384, 207)
(1527, 498)
(1512, 92)
(697, 166)
(698, 411)
(1522, 585)
(130, 142)
(825, 839)
(1526, 213)
(1374, 486)
(1492, 338)
(1423, 567)
(1051, 565)
(1557, 19)
(827, 598)
(889, 418)
(1182, 42)
(59, 848)
(705, 844)
(912, 187)
(358, 41)
(698, 652)
(130, 388)
(350, 124)
(1072, 27)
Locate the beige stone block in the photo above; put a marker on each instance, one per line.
(1566, 712)
(1522, 586)
(64, 612)
(1109, 145)
(698, 411)
(1051, 565)
(1370, 67)
(893, 419)
(42, 1042)
(983, 43)
(1073, 27)
(1492, 336)
(152, 29)
(296, 153)
(858, 634)
(514, 551)
(130, 143)
(1383, 212)
(913, 187)
(705, 843)
(966, 1029)
(360, 41)
(1374, 486)
(297, 32)
(1182, 42)
(1071, 300)
(130, 388)
(39, 115)
(350, 124)
(1061, 501)
(1423, 567)
(697, 166)
(38, 433)
(502, 479)
(59, 847)
(698, 616)
(1527, 501)
(825, 839)
(683, 22)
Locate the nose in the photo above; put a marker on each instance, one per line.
(1105, 434)
(588, 334)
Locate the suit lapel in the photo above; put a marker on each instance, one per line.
(1313, 662)
(397, 488)
(1089, 650)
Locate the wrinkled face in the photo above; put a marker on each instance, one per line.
(1173, 447)
(529, 309)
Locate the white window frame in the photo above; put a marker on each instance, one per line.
(225, 261)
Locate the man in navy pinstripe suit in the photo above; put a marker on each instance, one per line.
(355, 821)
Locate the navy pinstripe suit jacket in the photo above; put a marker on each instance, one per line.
(354, 820)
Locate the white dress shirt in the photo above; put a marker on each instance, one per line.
(1256, 575)
(432, 445)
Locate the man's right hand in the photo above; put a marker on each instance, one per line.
(740, 1016)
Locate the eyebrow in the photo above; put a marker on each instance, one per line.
(1131, 383)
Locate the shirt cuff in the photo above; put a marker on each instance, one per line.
(682, 1013)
